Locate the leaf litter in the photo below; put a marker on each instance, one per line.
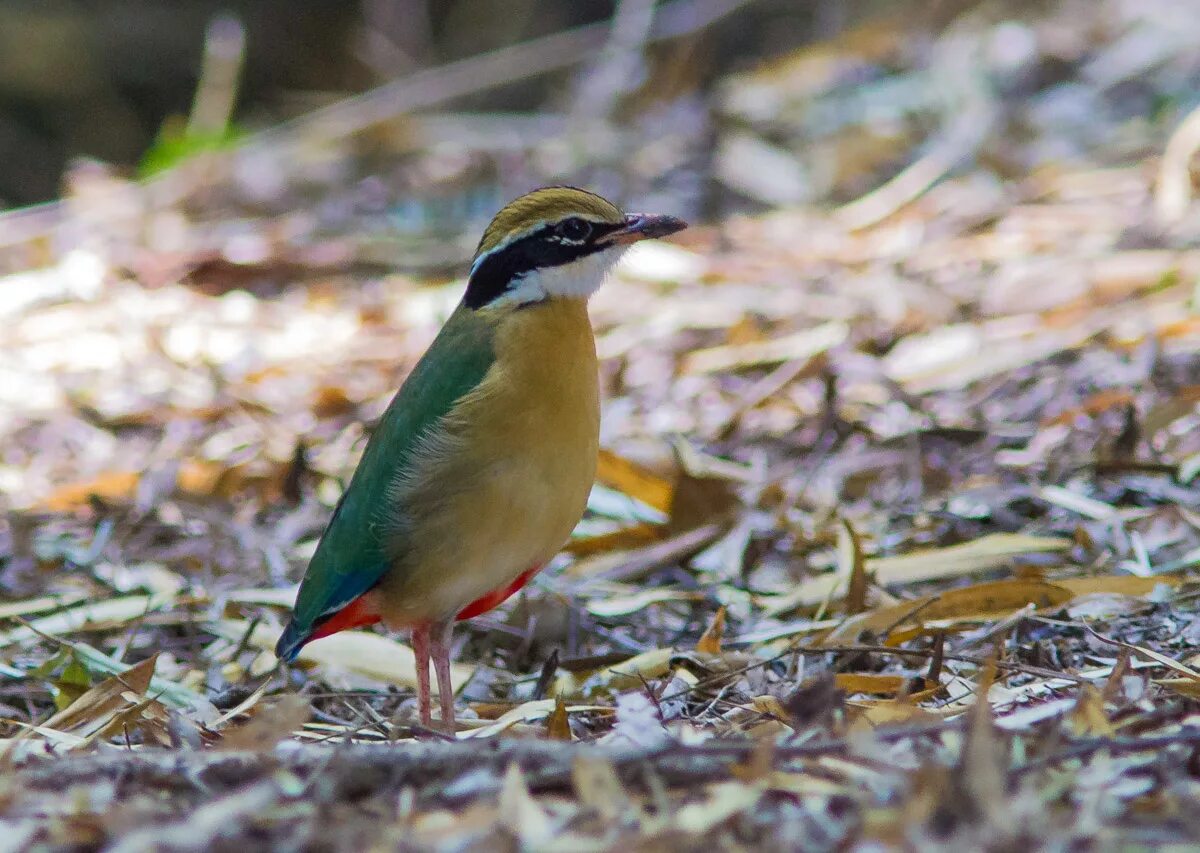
(897, 517)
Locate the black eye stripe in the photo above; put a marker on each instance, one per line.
(545, 247)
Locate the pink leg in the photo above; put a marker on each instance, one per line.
(420, 644)
(440, 641)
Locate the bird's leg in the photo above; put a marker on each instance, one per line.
(440, 642)
(420, 644)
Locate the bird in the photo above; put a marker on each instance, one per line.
(481, 465)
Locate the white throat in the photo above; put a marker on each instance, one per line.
(578, 279)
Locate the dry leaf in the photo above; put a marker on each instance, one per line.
(870, 682)
(623, 605)
(759, 766)
(272, 723)
(558, 727)
(117, 704)
(632, 479)
(700, 500)
(771, 706)
(852, 566)
(110, 487)
(623, 676)
(109, 612)
(632, 565)
(710, 642)
(722, 801)
(1088, 717)
(520, 812)
(1128, 585)
(623, 539)
(980, 601)
(801, 345)
(598, 786)
(528, 712)
(40, 604)
(989, 552)
(984, 554)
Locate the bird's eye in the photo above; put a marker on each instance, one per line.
(575, 230)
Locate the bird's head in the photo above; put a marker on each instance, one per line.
(554, 242)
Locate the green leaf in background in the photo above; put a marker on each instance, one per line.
(175, 145)
(73, 682)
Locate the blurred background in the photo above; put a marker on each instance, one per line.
(101, 78)
(410, 117)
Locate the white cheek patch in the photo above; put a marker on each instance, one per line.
(578, 279)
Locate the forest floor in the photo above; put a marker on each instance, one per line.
(898, 515)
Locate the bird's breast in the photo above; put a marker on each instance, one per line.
(507, 478)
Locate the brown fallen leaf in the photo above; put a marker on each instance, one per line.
(272, 723)
(599, 787)
(637, 563)
(116, 704)
(519, 812)
(1130, 585)
(710, 642)
(1183, 686)
(331, 401)
(759, 764)
(1088, 718)
(870, 682)
(799, 345)
(110, 487)
(979, 601)
(623, 539)
(996, 597)
(979, 555)
(527, 712)
(1096, 404)
(769, 705)
(894, 712)
(701, 496)
(816, 700)
(852, 564)
(632, 479)
(202, 478)
(557, 725)
(615, 677)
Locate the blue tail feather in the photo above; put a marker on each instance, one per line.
(291, 641)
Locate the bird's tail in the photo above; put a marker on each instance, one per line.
(359, 612)
(291, 641)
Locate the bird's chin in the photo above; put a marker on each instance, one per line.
(576, 280)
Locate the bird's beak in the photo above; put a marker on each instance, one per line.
(644, 226)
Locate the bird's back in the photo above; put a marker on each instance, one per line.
(351, 557)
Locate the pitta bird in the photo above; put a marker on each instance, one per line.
(482, 464)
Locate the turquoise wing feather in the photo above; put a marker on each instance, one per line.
(351, 556)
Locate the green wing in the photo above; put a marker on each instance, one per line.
(350, 558)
